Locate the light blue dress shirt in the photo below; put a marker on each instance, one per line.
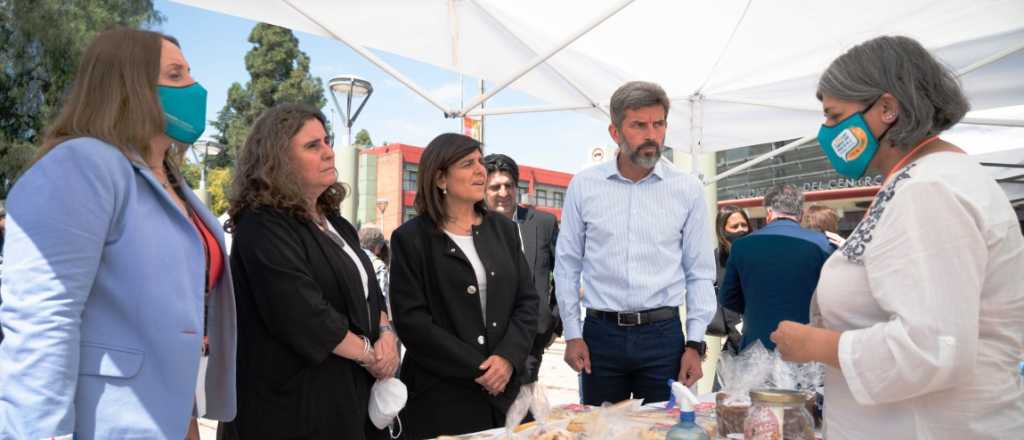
(638, 246)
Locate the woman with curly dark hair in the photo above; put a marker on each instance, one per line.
(313, 330)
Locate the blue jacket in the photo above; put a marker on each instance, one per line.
(771, 276)
(102, 290)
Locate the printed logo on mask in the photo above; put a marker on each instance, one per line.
(850, 144)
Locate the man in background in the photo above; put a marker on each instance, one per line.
(772, 273)
(538, 232)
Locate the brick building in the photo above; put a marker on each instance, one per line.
(387, 186)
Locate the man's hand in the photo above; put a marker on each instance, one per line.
(385, 356)
(497, 372)
(577, 355)
(691, 371)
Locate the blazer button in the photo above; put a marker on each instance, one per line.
(452, 250)
(494, 324)
(471, 290)
(492, 274)
(480, 340)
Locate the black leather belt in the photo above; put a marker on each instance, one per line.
(630, 319)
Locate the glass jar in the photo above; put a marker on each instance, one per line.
(778, 415)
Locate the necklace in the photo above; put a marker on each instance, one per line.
(460, 229)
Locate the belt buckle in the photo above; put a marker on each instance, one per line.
(619, 316)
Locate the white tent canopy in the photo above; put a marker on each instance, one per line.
(740, 72)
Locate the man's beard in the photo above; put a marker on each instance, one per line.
(640, 160)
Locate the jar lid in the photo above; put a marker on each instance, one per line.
(777, 396)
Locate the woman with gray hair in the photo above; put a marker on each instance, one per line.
(922, 309)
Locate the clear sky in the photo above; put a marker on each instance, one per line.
(215, 45)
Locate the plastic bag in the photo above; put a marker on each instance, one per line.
(741, 373)
(517, 412)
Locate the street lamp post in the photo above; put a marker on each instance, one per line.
(346, 157)
(208, 147)
(382, 205)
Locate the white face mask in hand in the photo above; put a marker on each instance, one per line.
(387, 398)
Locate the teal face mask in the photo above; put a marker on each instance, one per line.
(184, 111)
(850, 145)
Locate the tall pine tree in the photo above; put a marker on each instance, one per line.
(279, 73)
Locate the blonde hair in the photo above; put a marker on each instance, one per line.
(821, 218)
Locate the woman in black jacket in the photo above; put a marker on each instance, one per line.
(462, 296)
(731, 224)
(313, 331)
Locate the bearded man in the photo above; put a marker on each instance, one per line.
(635, 237)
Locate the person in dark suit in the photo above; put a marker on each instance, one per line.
(462, 297)
(539, 232)
(313, 325)
(771, 274)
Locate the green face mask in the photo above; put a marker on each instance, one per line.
(184, 111)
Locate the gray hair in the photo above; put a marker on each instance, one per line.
(928, 93)
(370, 237)
(634, 95)
(785, 199)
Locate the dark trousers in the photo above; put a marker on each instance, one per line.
(632, 361)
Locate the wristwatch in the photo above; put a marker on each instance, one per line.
(701, 347)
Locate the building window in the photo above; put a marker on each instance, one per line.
(557, 199)
(542, 197)
(409, 177)
(524, 191)
(409, 214)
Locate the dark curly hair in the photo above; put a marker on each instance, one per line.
(264, 174)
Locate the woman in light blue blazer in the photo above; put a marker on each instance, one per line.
(113, 269)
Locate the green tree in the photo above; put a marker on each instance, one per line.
(363, 138)
(41, 42)
(279, 73)
(217, 183)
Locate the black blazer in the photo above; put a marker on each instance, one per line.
(298, 293)
(540, 233)
(437, 314)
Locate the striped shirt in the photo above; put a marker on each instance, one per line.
(638, 246)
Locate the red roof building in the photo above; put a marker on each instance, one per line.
(387, 186)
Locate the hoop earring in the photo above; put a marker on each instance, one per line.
(444, 191)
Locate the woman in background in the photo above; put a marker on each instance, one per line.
(823, 219)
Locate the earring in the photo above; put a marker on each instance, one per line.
(444, 190)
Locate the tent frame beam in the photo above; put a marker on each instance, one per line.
(767, 156)
(373, 59)
(490, 14)
(542, 58)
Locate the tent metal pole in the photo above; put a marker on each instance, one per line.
(993, 122)
(762, 104)
(374, 59)
(750, 163)
(543, 57)
(696, 132)
(530, 109)
(991, 59)
(490, 14)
